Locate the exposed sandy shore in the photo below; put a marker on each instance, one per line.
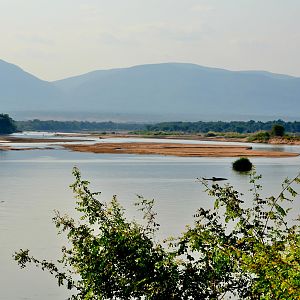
(177, 150)
(283, 141)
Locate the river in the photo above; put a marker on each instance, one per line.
(35, 182)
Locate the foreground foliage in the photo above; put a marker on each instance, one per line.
(250, 251)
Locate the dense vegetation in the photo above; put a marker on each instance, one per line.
(234, 126)
(7, 124)
(159, 128)
(260, 136)
(240, 247)
(75, 126)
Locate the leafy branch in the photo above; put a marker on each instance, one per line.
(235, 248)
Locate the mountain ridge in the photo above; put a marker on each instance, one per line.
(268, 73)
(178, 89)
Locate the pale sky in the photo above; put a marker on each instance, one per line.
(54, 39)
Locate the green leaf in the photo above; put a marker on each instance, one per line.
(281, 211)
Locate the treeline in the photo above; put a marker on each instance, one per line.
(75, 126)
(181, 127)
(7, 124)
(219, 126)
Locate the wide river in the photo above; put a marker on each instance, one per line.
(35, 182)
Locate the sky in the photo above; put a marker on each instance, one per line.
(55, 39)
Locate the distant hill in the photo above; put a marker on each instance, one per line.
(173, 90)
(21, 91)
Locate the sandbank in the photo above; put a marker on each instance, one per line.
(185, 150)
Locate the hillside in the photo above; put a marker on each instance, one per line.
(174, 90)
(21, 91)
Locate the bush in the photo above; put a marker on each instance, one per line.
(242, 164)
(261, 136)
(251, 251)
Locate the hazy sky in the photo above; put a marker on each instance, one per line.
(54, 39)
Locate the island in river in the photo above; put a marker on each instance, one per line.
(175, 149)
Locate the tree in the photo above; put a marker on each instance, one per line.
(278, 130)
(7, 124)
(242, 164)
(251, 252)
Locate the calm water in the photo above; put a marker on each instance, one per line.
(34, 183)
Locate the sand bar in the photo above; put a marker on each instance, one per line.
(186, 150)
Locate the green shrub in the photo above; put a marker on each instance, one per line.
(260, 136)
(242, 164)
(247, 248)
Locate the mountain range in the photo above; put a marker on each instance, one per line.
(167, 91)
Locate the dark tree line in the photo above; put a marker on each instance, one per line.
(74, 126)
(184, 127)
(219, 126)
(7, 124)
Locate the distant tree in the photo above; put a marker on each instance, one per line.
(278, 130)
(7, 124)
